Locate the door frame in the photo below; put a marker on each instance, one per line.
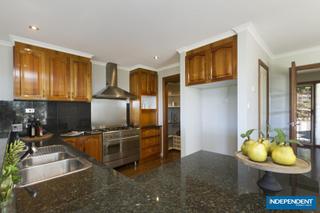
(165, 80)
(293, 70)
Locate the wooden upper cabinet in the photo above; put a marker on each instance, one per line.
(197, 66)
(29, 72)
(144, 82)
(134, 85)
(213, 62)
(81, 75)
(152, 84)
(43, 74)
(59, 76)
(224, 59)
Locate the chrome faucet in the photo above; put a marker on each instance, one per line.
(31, 150)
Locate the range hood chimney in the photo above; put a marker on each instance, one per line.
(112, 91)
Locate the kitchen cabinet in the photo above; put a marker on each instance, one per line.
(81, 75)
(91, 145)
(143, 82)
(144, 111)
(197, 66)
(29, 72)
(212, 63)
(59, 76)
(150, 143)
(43, 74)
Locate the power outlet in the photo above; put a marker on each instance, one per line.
(30, 110)
(17, 127)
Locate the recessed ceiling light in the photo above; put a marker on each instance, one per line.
(33, 27)
(155, 57)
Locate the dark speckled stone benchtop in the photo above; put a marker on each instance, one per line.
(201, 182)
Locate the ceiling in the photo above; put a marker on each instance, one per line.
(131, 32)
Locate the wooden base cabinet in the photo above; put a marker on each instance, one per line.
(91, 145)
(212, 63)
(150, 143)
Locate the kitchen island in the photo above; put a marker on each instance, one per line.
(201, 182)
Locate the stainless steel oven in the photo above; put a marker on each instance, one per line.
(121, 146)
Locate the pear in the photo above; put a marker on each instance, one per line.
(272, 146)
(257, 152)
(247, 142)
(245, 146)
(266, 143)
(283, 155)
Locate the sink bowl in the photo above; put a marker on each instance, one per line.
(40, 173)
(43, 159)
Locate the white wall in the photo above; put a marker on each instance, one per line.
(104, 111)
(279, 84)
(249, 51)
(6, 73)
(219, 119)
(190, 114)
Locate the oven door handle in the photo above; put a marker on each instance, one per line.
(130, 137)
(122, 139)
(113, 142)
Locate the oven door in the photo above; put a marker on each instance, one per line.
(112, 150)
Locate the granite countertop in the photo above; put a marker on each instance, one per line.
(3, 144)
(201, 182)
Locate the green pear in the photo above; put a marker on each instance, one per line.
(257, 152)
(283, 155)
(273, 145)
(245, 146)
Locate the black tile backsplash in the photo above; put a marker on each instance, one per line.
(56, 117)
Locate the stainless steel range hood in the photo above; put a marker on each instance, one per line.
(112, 91)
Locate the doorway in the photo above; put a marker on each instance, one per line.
(305, 104)
(171, 116)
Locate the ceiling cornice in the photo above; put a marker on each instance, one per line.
(6, 43)
(206, 41)
(169, 67)
(297, 52)
(249, 26)
(15, 38)
(235, 30)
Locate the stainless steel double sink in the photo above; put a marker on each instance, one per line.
(49, 162)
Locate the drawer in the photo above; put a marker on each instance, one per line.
(155, 150)
(151, 141)
(145, 133)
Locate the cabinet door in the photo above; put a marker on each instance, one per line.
(76, 142)
(29, 72)
(223, 60)
(59, 76)
(93, 147)
(134, 83)
(152, 84)
(144, 82)
(81, 75)
(196, 67)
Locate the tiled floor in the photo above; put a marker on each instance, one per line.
(130, 170)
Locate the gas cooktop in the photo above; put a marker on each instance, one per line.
(109, 129)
